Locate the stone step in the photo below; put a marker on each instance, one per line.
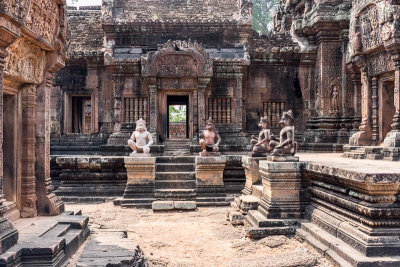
(175, 184)
(175, 160)
(92, 191)
(258, 233)
(174, 167)
(175, 176)
(173, 205)
(175, 194)
(257, 191)
(339, 251)
(247, 202)
(212, 201)
(57, 231)
(83, 199)
(256, 219)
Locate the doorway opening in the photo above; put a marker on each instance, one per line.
(386, 108)
(10, 147)
(178, 113)
(81, 114)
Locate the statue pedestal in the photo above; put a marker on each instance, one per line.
(209, 181)
(141, 173)
(284, 198)
(251, 169)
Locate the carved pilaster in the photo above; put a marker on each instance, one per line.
(239, 102)
(201, 101)
(364, 136)
(396, 119)
(153, 107)
(365, 100)
(374, 105)
(117, 87)
(28, 157)
(3, 54)
(48, 203)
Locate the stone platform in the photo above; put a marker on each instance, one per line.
(47, 241)
(352, 215)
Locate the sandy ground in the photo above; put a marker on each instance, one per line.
(199, 238)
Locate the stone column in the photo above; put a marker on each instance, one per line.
(48, 203)
(201, 101)
(374, 105)
(393, 137)
(239, 102)
(28, 157)
(3, 54)
(364, 136)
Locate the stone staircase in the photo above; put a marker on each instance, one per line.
(175, 183)
(177, 147)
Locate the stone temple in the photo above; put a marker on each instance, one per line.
(74, 82)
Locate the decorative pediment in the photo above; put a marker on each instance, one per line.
(178, 59)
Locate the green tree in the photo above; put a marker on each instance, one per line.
(177, 113)
(71, 2)
(263, 15)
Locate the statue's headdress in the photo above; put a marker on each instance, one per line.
(141, 124)
(287, 115)
(264, 119)
(210, 121)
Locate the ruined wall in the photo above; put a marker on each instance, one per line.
(171, 9)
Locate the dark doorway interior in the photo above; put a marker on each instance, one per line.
(178, 114)
(9, 147)
(81, 114)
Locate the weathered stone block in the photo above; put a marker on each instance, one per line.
(140, 170)
(284, 189)
(252, 171)
(210, 170)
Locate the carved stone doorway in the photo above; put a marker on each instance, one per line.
(178, 114)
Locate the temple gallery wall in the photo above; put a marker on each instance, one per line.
(298, 130)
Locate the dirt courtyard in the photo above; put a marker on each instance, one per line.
(199, 238)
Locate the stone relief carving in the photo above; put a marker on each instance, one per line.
(379, 63)
(335, 98)
(42, 19)
(26, 62)
(370, 28)
(107, 11)
(16, 8)
(178, 59)
(246, 11)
